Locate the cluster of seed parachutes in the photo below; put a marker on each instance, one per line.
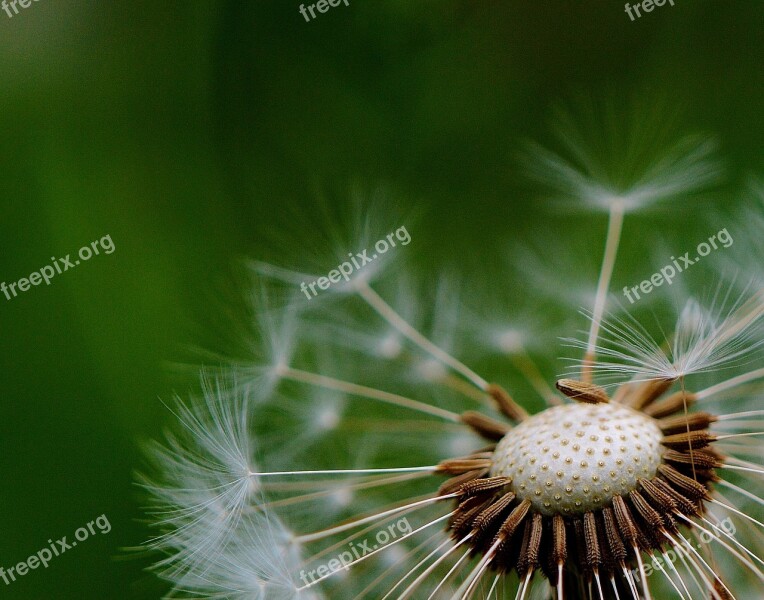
(602, 538)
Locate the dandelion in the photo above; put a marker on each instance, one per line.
(622, 161)
(704, 340)
(358, 454)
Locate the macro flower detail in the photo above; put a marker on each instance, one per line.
(353, 455)
(609, 478)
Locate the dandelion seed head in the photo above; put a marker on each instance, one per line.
(582, 443)
(272, 473)
(723, 335)
(637, 166)
(201, 506)
(256, 562)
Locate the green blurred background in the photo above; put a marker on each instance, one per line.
(182, 129)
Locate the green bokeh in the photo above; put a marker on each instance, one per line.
(181, 129)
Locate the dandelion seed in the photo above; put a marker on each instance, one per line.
(592, 174)
(426, 479)
(704, 340)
